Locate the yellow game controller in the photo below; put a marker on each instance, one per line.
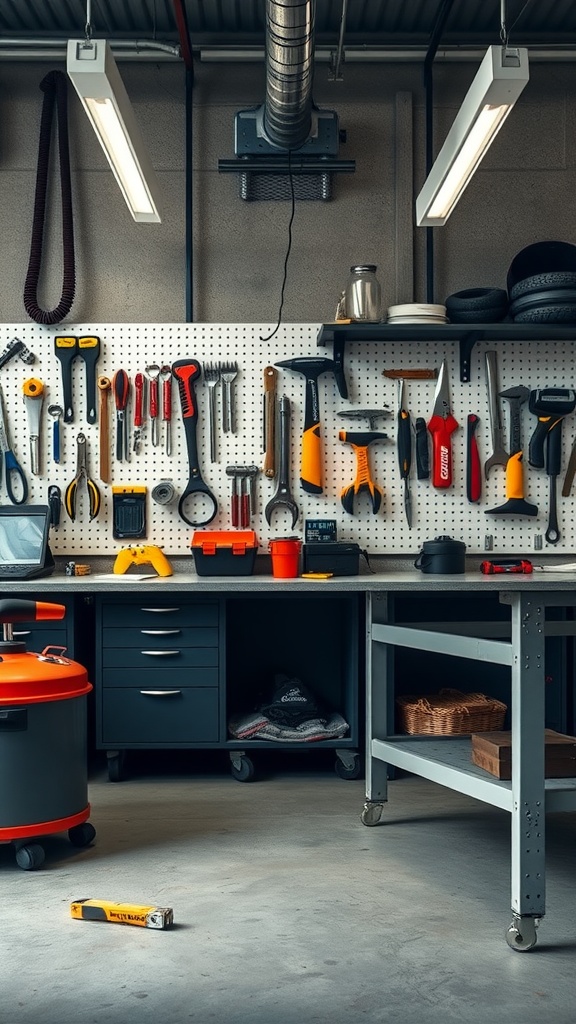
(144, 554)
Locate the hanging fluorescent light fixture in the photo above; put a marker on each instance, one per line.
(498, 83)
(95, 76)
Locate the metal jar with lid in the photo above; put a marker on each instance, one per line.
(363, 296)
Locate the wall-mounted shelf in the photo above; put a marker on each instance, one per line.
(465, 334)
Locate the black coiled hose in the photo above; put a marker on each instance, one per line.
(54, 86)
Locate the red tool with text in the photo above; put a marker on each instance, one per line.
(441, 426)
(519, 565)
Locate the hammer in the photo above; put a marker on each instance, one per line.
(311, 368)
(515, 504)
(372, 415)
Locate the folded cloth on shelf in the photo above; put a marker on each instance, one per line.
(254, 725)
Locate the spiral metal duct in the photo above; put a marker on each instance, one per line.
(289, 72)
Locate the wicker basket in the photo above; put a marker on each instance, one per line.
(448, 712)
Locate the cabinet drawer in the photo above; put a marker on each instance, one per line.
(159, 658)
(186, 716)
(159, 675)
(161, 635)
(149, 612)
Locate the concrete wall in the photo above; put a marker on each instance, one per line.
(129, 272)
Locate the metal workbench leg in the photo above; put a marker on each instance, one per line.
(379, 695)
(528, 869)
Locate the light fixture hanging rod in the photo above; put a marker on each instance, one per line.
(379, 55)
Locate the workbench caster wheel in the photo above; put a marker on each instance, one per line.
(82, 835)
(116, 765)
(30, 857)
(371, 813)
(242, 768)
(349, 769)
(521, 934)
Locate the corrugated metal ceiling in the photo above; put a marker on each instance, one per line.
(237, 22)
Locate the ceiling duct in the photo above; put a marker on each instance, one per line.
(287, 143)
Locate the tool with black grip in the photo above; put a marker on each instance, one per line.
(66, 348)
(363, 481)
(71, 493)
(121, 389)
(311, 367)
(404, 445)
(186, 371)
(553, 464)
(89, 350)
(422, 449)
(550, 405)
(515, 504)
(473, 474)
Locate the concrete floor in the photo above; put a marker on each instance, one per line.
(288, 909)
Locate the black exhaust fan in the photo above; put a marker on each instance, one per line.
(287, 135)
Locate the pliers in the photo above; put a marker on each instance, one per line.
(82, 474)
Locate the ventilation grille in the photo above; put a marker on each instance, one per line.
(255, 187)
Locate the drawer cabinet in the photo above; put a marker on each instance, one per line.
(159, 669)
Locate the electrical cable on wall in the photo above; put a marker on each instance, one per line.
(55, 86)
(286, 258)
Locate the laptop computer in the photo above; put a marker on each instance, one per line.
(24, 550)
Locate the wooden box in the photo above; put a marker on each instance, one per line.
(493, 752)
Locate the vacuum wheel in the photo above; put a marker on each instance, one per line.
(82, 835)
(30, 857)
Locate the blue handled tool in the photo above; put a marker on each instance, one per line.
(12, 468)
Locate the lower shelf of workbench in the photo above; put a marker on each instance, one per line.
(447, 760)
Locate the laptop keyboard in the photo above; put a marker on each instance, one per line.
(13, 571)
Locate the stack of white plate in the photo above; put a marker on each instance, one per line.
(417, 313)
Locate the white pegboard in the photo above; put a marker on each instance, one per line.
(134, 346)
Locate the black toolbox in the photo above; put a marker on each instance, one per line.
(340, 558)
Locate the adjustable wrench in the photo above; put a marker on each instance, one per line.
(283, 497)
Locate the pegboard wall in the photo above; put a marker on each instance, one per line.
(435, 512)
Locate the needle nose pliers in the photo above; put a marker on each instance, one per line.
(82, 474)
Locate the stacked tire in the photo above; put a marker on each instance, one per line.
(477, 306)
(541, 284)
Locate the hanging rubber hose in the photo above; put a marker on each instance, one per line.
(54, 86)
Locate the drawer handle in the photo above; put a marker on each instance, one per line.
(21, 632)
(160, 611)
(160, 693)
(160, 654)
(160, 632)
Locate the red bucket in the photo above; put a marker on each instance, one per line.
(285, 557)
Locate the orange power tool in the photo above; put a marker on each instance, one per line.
(363, 481)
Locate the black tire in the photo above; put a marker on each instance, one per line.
(346, 773)
(539, 282)
(82, 835)
(548, 315)
(30, 857)
(246, 771)
(476, 299)
(538, 300)
(481, 316)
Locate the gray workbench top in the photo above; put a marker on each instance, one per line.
(398, 580)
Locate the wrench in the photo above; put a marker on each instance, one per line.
(186, 371)
(499, 455)
(283, 497)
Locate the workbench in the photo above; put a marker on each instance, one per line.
(517, 644)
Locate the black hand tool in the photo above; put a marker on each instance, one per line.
(422, 449)
(473, 474)
(311, 476)
(121, 389)
(372, 415)
(186, 371)
(81, 474)
(66, 348)
(550, 405)
(553, 463)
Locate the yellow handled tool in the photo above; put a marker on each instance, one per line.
(311, 464)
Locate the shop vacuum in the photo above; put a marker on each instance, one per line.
(43, 746)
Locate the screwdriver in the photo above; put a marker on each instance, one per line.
(121, 387)
(404, 442)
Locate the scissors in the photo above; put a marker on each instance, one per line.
(12, 467)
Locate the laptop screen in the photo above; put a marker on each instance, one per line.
(23, 535)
